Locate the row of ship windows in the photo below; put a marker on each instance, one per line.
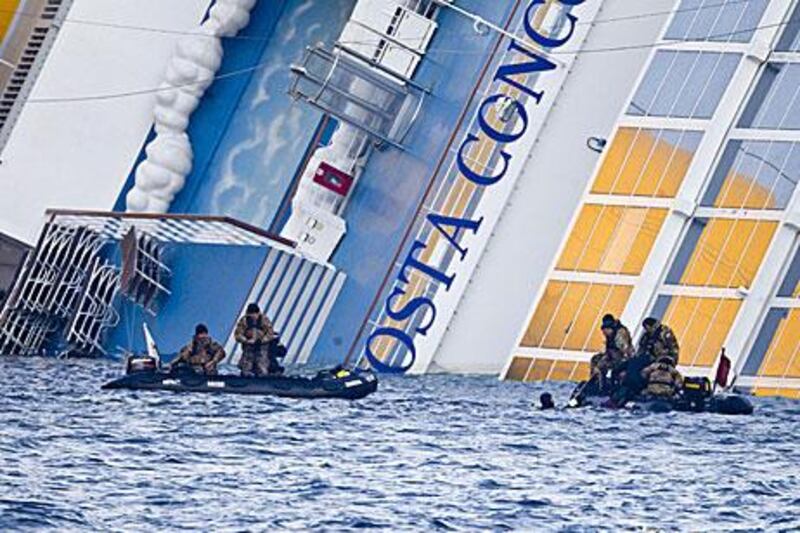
(568, 313)
(728, 21)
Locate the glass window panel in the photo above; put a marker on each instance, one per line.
(647, 162)
(775, 102)
(568, 314)
(716, 20)
(684, 84)
(726, 253)
(562, 370)
(539, 370)
(518, 368)
(782, 357)
(701, 326)
(611, 239)
(790, 288)
(790, 40)
(755, 175)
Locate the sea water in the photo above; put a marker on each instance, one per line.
(423, 453)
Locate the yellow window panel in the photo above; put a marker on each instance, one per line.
(539, 370)
(8, 9)
(579, 237)
(701, 326)
(586, 319)
(581, 372)
(783, 356)
(742, 191)
(769, 391)
(518, 368)
(672, 177)
(568, 315)
(729, 253)
(642, 162)
(562, 321)
(615, 158)
(562, 370)
(545, 310)
(611, 239)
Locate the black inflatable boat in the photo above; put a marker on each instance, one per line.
(335, 383)
(696, 396)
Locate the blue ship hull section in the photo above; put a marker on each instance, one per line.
(394, 181)
(209, 284)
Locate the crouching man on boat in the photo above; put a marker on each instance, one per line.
(663, 380)
(658, 341)
(255, 333)
(618, 349)
(202, 354)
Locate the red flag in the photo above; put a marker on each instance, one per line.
(723, 369)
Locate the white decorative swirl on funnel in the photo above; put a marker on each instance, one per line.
(190, 72)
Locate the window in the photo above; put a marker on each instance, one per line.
(700, 324)
(647, 162)
(790, 288)
(721, 252)
(684, 84)
(524, 368)
(716, 20)
(790, 40)
(611, 239)
(755, 175)
(568, 315)
(776, 352)
(775, 102)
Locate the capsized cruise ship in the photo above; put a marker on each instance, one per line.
(414, 185)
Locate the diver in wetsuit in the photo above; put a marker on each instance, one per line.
(202, 354)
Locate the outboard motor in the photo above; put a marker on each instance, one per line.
(140, 364)
(696, 391)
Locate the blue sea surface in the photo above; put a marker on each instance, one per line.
(424, 453)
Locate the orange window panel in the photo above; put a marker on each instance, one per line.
(783, 356)
(545, 310)
(562, 370)
(8, 9)
(518, 368)
(741, 191)
(611, 239)
(615, 160)
(568, 314)
(769, 391)
(701, 326)
(641, 162)
(729, 253)
(539, 370)
(581, 372)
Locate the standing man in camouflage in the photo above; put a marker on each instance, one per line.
(618, 349)
(255, 333)
(658, 341)
(202, 354)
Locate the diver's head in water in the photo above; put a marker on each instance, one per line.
(546, 401)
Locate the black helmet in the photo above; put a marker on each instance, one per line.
(650, 322)
(609, 322)
(200, 329)
(252, 308)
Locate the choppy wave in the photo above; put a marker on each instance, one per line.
(439, 452)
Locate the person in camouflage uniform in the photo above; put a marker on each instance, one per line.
(657, 341)
(663, 381)
(255, 333)
(618, 349)
(202, 354)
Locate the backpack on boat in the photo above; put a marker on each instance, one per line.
(696, 390)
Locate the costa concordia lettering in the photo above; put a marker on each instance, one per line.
(411, 185)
